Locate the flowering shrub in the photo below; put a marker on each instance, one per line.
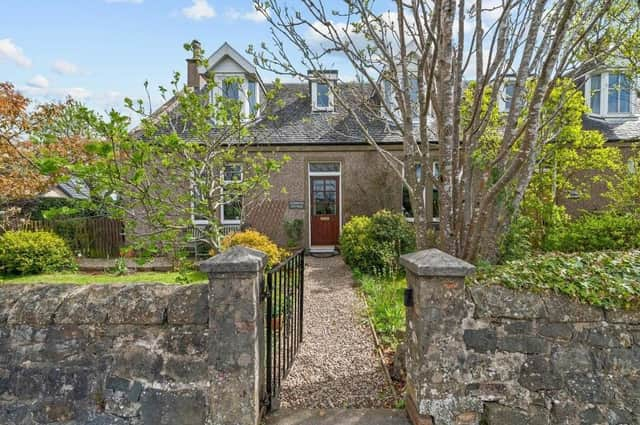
(256, 240)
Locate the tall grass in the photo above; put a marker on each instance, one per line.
(384, 296)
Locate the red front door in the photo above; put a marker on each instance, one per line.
(325, 210)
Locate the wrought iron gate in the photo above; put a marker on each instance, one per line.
(283, 312)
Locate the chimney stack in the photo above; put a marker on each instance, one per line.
(193, 76)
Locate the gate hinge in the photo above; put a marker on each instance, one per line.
(408, 297)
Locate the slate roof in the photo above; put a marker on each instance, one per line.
(614, 130)
(75, 188)
(296, 123)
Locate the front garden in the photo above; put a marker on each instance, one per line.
(32, 257)
(594, 259)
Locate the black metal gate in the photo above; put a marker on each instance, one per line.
(283, 305)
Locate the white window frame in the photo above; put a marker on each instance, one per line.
(194, 220)
(243, 92)
(604, 96)
(224, 182)
(314, 97)
(502, 104)
(436, 173)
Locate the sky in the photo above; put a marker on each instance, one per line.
(100, 51)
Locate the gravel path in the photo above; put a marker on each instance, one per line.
(337, 366)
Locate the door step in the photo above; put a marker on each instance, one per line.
(337, 417)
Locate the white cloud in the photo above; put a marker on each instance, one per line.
(124, 1)
(63, 67)
(254, 16)
(200, 9)
(56, 93)
(9, 51)
(39, 82)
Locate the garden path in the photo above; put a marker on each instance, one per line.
(337, 365)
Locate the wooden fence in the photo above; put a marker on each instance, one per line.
(93, 237)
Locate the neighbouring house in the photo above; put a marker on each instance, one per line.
(74, 188)
(334, 174)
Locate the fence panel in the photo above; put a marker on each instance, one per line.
(93, 237)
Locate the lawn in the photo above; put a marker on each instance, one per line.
(170, 278)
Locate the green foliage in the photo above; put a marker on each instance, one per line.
(25, 252)
(373, 244)
(293, 228)
(624, 193)
(171, 168)
(256, 240)
(385, 301)
(119, 267)
(596, 232)
(605, 279)
(516, 243)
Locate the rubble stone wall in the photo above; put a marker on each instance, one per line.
(104, 354)
(546, 359)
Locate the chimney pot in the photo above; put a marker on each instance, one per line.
(193, 76)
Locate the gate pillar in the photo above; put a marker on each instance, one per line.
(435, 299)
(236, 326)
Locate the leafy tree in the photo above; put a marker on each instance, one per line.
(417, 57)
(38, 146)
(571, 160)
(625, 193)
(181, 163)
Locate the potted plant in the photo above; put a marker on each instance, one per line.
(293, 228)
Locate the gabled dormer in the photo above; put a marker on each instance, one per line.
(236, 78)
(321, 86)
(610, 93)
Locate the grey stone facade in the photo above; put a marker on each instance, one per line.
(488, 354)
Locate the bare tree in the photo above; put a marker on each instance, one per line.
(418, 59)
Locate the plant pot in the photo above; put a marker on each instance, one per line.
(276, 322)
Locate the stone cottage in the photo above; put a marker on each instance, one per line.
(333, 174)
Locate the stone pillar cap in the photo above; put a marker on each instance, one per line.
(433, 262)
(237, 259)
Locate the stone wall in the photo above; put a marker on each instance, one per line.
(494, 356)
(547, 359)
(104, 354)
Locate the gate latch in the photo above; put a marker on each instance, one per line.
(408, 297)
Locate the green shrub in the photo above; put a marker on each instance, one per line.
(256, 240)
(25, 252)
(517, 242)
(596, 232)
(373, 244)
(609, 279)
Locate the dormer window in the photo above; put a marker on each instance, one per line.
(236, 88)
(609, 94)
(619, 99)
(322, 98)
(322, 95)
(230, 90)
(322, 83)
